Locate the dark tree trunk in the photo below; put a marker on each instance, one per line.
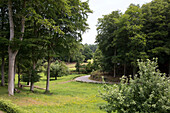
(48, 74)
(19, 78)
(114, 70)
(56, 76)
(134, 72)
(169, 67)
(115, 64)
(124, 69)
(32, 83)
(15, 69)
(2, 72)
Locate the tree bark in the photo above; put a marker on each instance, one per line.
(134, 71)
(11, 66)
(115, 64)
(2, 72)
(19, 77)
(12, 55)
(55, 77)
(169, 67)
(124, 69)
(32, 83)
(114, 70)
(48, 74)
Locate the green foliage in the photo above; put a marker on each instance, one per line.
(89, 67)
(148, 92)
(87, 52)
(58, 69)
(31, 76)
(139, 33)
(9, 107)
(97, 60)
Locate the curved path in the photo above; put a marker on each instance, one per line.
(86, 79)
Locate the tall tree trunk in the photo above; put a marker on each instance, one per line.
(32, 83)
(3, 54)
(114, 69)
(48, 74)
(11, 66)
(134, 71)
(12, 55)
(115, 64)
(2, 72)
(56, 75)
(19, 77)
(169, 67)
(15, 69)
(124, 70)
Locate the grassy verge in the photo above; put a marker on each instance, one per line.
(65, 97)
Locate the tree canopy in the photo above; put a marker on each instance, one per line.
(139, 33)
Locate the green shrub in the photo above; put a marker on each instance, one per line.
(58, 69)
(147, 93)
(89, 67)
(9, 107)
(31, 76)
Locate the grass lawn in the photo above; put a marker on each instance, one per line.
(66, 97)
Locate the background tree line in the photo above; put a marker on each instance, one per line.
(139, 33)
(33, 32)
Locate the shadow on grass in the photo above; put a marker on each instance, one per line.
(52, 79)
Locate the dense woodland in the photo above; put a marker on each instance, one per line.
(139, 33)
(38, 31)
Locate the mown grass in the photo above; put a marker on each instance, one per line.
(65, 97)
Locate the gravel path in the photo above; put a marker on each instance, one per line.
(86, 79)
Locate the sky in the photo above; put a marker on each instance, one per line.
(104, 7)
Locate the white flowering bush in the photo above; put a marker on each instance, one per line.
(148, 92)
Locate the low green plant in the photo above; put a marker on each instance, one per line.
(58, 69)
(9, 107)
(148, 92)
(89, 67)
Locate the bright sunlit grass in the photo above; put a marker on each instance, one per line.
(66, 97)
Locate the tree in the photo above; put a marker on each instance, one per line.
(106, 27)
(3, 38)
(139, 33)
(156, 27)
(72, 22)
(87, 52)
(137, 39)
(58, 69)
